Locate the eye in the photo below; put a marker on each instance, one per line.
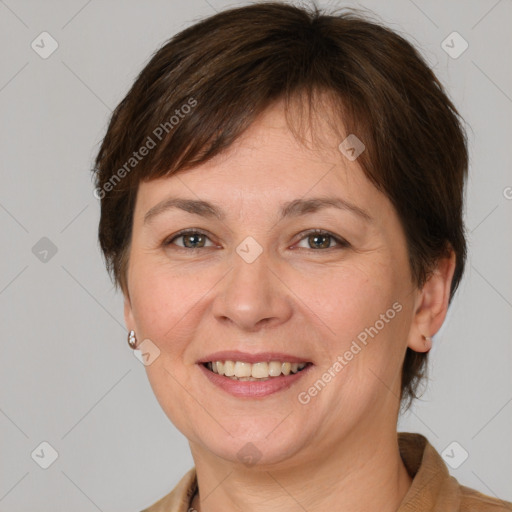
(191, 239)
(320, 239)
(315, 238)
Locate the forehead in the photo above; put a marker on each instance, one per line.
(268, 164)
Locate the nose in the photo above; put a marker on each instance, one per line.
(252, 296)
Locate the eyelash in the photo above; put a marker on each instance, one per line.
(342, 244)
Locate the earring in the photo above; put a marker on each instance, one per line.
(427, 341)
(132, 339)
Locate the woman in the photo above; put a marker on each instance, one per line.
(284, 218)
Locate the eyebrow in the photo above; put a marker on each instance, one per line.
(293, 208)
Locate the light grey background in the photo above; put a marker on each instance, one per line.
(67, 376)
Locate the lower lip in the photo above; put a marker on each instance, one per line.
(253, 389)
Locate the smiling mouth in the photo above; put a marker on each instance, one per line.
(239, 370)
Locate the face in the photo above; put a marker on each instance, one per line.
(267, 275)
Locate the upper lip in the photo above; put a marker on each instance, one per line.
(236, 355)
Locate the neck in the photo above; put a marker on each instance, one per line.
(358, 475)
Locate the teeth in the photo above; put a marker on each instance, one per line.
(274, 368)
(243, 369)
(239, 370)
(229, 368)
(260, 370)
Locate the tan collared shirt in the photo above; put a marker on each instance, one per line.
(432, 488)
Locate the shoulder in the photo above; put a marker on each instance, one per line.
(433, 488)
(178, 499)
(471, 500)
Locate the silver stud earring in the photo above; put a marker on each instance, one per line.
(132, 339)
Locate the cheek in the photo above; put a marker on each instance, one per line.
(167, 308)
(361, 307)
(164, 298)
(365, 316)
(349, 299)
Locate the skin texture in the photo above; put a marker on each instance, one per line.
(341, 447)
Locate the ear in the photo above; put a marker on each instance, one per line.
(128, 313)
(432, 305)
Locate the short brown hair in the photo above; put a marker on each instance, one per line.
(229, 68)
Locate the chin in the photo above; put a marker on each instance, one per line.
(253, 444)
